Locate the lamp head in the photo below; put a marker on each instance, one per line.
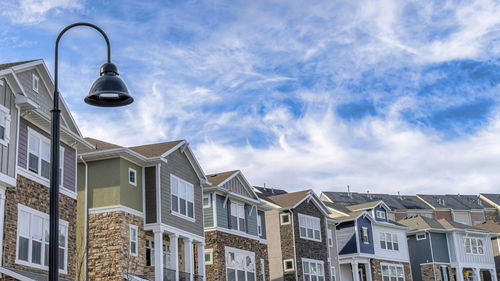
(109, 90)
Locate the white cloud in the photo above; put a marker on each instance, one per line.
(35, 11)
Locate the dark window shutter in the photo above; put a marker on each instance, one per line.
(228, 208)
(247, 211)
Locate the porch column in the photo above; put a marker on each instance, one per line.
(368, 271)
(188, 257)
(355, 272)
(201, 260)
(477, 274)
(158, 254)
(174, 252)
(493, 274)
(460, 274)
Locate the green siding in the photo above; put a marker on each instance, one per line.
(130, 195)
(251, 219)
(208, 212)
(221, 212)
(104, 183)
(150, 188)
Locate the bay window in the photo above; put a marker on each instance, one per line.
(313, 270)
(182, 197)
(309, 227)
(240, 265)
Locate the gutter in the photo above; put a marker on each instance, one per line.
(85, 229)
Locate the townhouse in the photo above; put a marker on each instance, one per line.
(235, 229)
(494, 227)
(141, 212)
(449, 251)
(370, 246)
(465, 209)
(25, 102)
(300, 236)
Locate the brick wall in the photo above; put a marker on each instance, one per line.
(218, 240)
(376, 269)
(428, 273)
(36, 196)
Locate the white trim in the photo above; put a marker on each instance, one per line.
(8, 180)
(7, 127)
(158, 193)
(174, 230)
(380, 214)
(134, 183)
(317, 262)
(281, 219)
(236, 251)
(1, 83)
(144, 194)
(115, 208)
(236, 232)
(130, 227)
(178, 212)
(396, 265)
(313, 220)
(211, 253)
(36, 79)
(363, 228)
(289, 269)
(2, 217)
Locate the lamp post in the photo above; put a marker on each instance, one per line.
(107, 91)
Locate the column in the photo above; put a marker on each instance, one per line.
(460, 274)
(477, 274)
(188, 257)
(368, 271)
(355, 272)
(493, 274)
(201, 260)
(158, 254)
(174, 251)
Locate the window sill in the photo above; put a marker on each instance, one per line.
(311, 239)
(39, 266)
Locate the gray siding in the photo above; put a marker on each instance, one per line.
(69, 154)
(178, 165)
(209, 212)
(251, 219)
(221, 212)
(263, 223)
(346, 238)
(150, 194)
(420, 252)
(440, 247)
(235, 186)
(42, 98)
(8, 153)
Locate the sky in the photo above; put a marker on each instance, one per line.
(383, 96)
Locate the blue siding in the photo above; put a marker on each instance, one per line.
(208, 213)
(263, 223)
(346, 238)
(251, 219)
(365, 248)
(379, 208)
(221, 212)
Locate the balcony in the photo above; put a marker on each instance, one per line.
(184, 276)
(168, 274)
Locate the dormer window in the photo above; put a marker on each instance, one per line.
(36, 82)
(380, 214)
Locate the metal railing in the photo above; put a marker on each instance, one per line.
(184, 276)
(168, 274)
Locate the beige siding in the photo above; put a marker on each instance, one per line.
(274, 245)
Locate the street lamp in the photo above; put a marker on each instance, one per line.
(107, 91)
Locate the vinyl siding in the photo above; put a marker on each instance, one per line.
(130, 195)
(263, 223)
(487, 258)
(346, 238)
(365, 248)
(236, 186)
(8, 153)
(420, 252)
(221, 212)
(150, 196)
(251, 219)
(379, 208)
(42, 98)
(401, 254)
(440, 247)
(208, 212)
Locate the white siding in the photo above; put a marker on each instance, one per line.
(485, 260)
(401, 254)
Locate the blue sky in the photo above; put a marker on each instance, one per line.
(384, 96)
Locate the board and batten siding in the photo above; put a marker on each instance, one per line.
(236, 186)
(208, 212)
(251, 219)
(8, 153)
(221, 212)
(485, 259)
(150, 194)
(179, 166)
(366, 248)
(69, 169)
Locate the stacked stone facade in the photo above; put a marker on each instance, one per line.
(108, 247)
(376, 269)
(218, 240)
(287, 247)
(428, 272)
(36, 196)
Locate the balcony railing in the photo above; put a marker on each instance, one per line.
(168, 274)
(184, 276)
(197, 277)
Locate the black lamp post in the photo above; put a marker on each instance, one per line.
(107, 91)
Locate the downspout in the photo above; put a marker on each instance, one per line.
(294, 250)
(85, 229)
(432, 255)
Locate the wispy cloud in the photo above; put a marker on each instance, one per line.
(36, 11)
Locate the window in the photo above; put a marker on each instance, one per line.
(285, 218)
(240, 265)
(259, 224)
(39, 156)
(209, 256)
(206, 201)
(4, 125)
(133, 240)
(182, 197)
(288, 265)
(444, 273)
(365, 236)
(150, 252)
(392, 272)
(389, 241)
(333, 273)
(313, 270)
(238, 220)
(330, 238)
(474, 246)
(310, 227)
(33, 239)
(380, 214)
(263, 269)
(421, 236)
(132, 177)
(36, 82)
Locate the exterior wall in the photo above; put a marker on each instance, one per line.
(334, 257)
(379, 208)
(427, 272)
(235, 185)
(263, 224)
(443, 214)
(130, 195)
(376, 269)
(221, 212)
(462, 217)
(287, 247)
(420, 253)
(69, 172)
(42, 98)
(110, 231)
(103, 183)
(274, 245)
(440, 247)
(477, 217)
(218, 240)
(208, 212)
(366, 248)
(495, 243)
(401, 254)
(346, 238)
(486, 259)
(251, 215)
(33, 195)
(150, 194)
(8, 153)
(179, 165)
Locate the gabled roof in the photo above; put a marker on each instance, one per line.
(394, 202)
(364, 206)
(269, 191)
(218, 178)
(352, 216)
(471, 202)
(443, 202)
(156, 149)
(99, 145)
(12, 64)
(424, 223)
(289, 200)
(490, 225)
(337, 207)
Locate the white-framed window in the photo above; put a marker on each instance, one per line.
(333, 273)
(207, 203)
(365, 237)
(133, 239)
(36, 82)
(421, 236)
(313, 270)
(33, 239)
(330, 238)
(240, 265)
(473, 246)
(259, 224)
(132, 176)
(209, 256)
(39, 156)
(150, 251)
(4, 125)
(288, 265)
(380, 214)
(392, 272)
(263, 269)
(285, 218)
(310, 227)
(389, 241)
(182, 197)
(238, 219)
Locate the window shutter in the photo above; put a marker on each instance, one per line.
(247, 210)
(229, 214)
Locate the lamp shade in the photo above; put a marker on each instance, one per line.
(109, 90)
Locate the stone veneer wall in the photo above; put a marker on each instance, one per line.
(428, 274)
(376, 269)
(287, 248)
(218, 240)
(35, 196)
(108, 246)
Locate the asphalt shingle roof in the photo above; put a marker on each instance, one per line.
(426, 223)
(395, 202)
(267, 191)
(216, 179)
(495, 198)
(363, 206)
(289, 199)
(490, 225)
(148, 150)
